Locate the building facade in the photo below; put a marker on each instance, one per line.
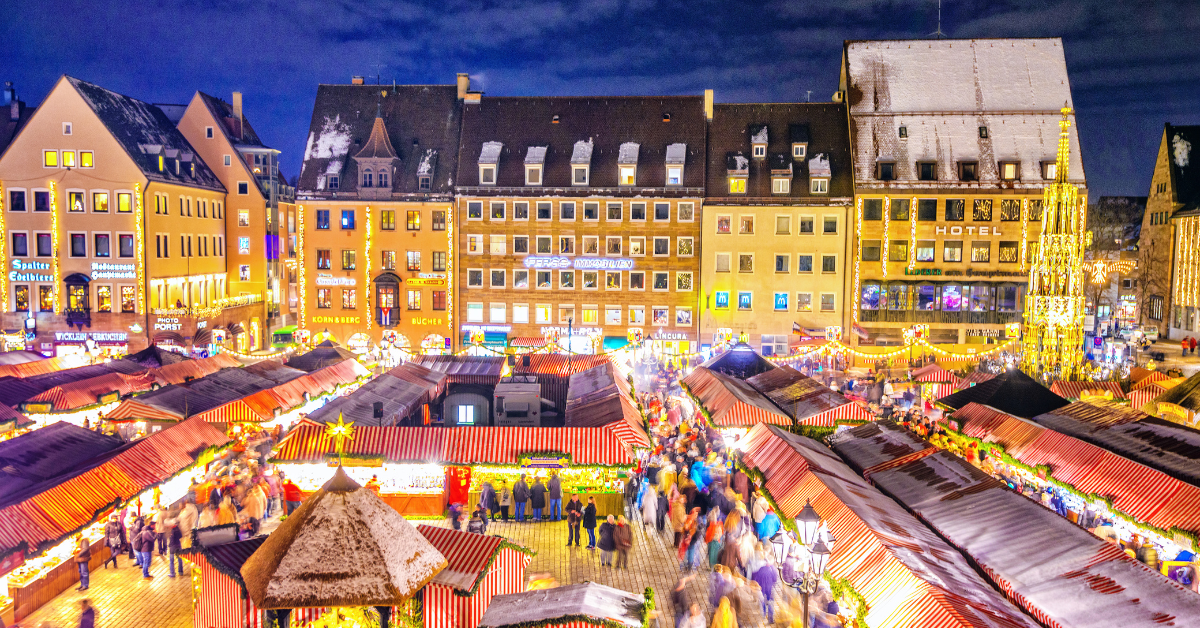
(1168, 269)
(109, 215)
(579, 219)
(774, 240)
(375, 209)
(949, 181)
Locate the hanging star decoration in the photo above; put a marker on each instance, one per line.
(340, 432)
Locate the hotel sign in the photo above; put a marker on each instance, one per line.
(101, 270)
(21, 268)
(580, 263)
(325, 279)
(971, 230)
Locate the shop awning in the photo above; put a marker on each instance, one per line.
(235, 329)
(202, 338)
(934, 374)
(526, 342)
(806, 400)
(1081, 581)
(87, 392)
(906, 573)
(1077, 390)
(731, 402)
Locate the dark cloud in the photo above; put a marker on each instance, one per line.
(1133, 66)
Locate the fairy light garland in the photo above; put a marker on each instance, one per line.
(367, 268)
(835, 346)
(54, 247)
(450, 269)
(887, 233)
(857, 260)
(3, 256)
(140, 236)
(302, 270)
(1024, 234)
(912, 233)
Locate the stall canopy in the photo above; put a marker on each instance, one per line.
(50, 452)
(572, 606)
(325, 354)
(223, 601)
(1081, 390)
(478, 568)
(1078, 581)
(43, 514)
(464, 369)
(1012, 391)
(89, 391)
(599, 397)
(1142, 377)
(400, 393)
(19, 357)
(11, 419)
(1141, 492)
(906, 573)
(733, 402)
(806, 400)
(307, 442)
(381, 559)
(1185, 395)
(740, 361)
(974, 378)
(934, 373)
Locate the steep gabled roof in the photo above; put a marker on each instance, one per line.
(1012, 392)
(223, 112)
(379, 145)
(137, 126)
(1182, 141)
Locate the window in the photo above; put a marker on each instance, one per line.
(412, 261)
(956, 209)
(591, 280)
(21, 298)
(366, 179)
(45, 299)
(128, 295)
(685, 246)
(819, 186)
(228, 160)
(830, 225)
(661, 281)
(44, 246)
(533, 175)
(927, 171)
(745, 262)
(637, 246)
(389, 260)
(614, 212)
(723, 224)
(806, 225)
(244, 188)
(662, 212)
(545, 211)
(871, 250)
(783, 225)
(886, 170)
(981, 251)
(745, 301)
(760, 150)
(674, 175)
(873, 209)
(579, 175)
(20, 244)
(424, 183)
(1009, 252)
(520, 279)
(78, 245)
(637, 316)
(827, 302)
(926, 209)
(683, 317)
(591, 212)
(333, 181)
(99, 202)
(829, 263)
(925, 250)
(487, 176)
(322, 218)
(900, 207)
(498, 210)
(637, 281)
(685, 212)
(439, 261)
(41, 201)
(542, 312)
(439, 220)
(349, 298)
(347, 219)
(1010, 170)
(721, 300)
(543, 279)
(521, 244)
(662, 246)
(474, 312)
(746, 225)
(497, 312)
(243, 245)
(496, 246)
(348, 259)
(781, 302)
(498, 279)
(16, 201)
(591, 245)
(86, 159)
(475, 245)
(75, 202)
(783, 263)
(475, 210)
(628, 175)
(981, 210)
(1010, 210)
(324, 298)
(50, 158)
(804, 263)
(612, 245)
(722, 262)
(952, 251)
(612, 280)
(799, 151)
(102, 245)
(1050, 172)
(520, 313)
(566, 279)
(566, 211)
(566, 314)
(803, 301)
(543, 245)
(898, 251)
(475, 278)
(968, 171)
(737, 185)
(683, 282)
(612, 315)
(1155, 304)
(637, 211)
(323, 257)
(566, 245)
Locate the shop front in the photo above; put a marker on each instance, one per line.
(673, 343)
(485, 339)
(94, 344)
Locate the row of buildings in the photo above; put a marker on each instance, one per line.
(434, 216)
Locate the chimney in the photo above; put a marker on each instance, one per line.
(473, 98)
(356, 80)
(10, 94)
(237, 112)
(708, 104)
(464, 84)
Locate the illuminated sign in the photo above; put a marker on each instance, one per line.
(575, 331)
(419, 320)
(983, 231)
(425, 281)
(337, 320)
(324, 279)
(580, 263)
(722, 300)
(100, 337)
(20, 265)
(499, 329)
(101, 270)
(922, 271)
(167, 323)
(669, 335)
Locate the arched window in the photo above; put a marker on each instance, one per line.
(366, 179)
(383, 178)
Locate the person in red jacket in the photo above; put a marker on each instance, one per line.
(291, 495)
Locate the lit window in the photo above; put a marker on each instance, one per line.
(721, 300)
(723, 224)
(1009, 170)
(737, 185)
(819, 186)
(50, 158)
(414, 299)
(799, 151)
(349, 298)
(474, 312)
(497, 312)
(827, 304)
(628, 175)
(347, 219)
(86, 159)
(348, 259)
(674, 175)
(498, 210)
(412, 261)
(760, 150)
(1049, 170)
(68, 159)
(781, 185)
(413, 220)
(745, 301)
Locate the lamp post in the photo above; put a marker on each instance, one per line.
(819, 542)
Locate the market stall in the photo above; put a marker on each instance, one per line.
(890, 569)
(730, 403)
(973, 378)
(1088, 391)
(478, 568)
(572, 606)
(806, 400)
(38, 519)
(1082, 581)
(1012, 391)
(935, 381)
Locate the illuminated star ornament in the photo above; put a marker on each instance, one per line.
(1100, 269)
(340, 432)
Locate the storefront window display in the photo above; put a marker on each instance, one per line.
(897, 297)
(871, 294)
(926, 297)
(952, 298)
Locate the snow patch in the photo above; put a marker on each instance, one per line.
(741, 164)
(676, 153)
(536, 155)
(426, 165)
(628, 154)
(760, 136)
(1182, 149)
(819, 166)
(491, 152)
(582, 154)
(333, 141)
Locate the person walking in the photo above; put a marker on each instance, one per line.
(144, 545)
(187, 521)
(607, 543)
(574, 518)
(1192, 344)
(292, 495)
(83, 556)
(678, 516)
(114, 538)
(589, 521)
(623, 537)
(487, 500)
(521, 495)
(174, 545)
(87, 614)
(680, 600)
(504, 497)
(537, 498)
(135, 531)
(554, 490)
(650, 508)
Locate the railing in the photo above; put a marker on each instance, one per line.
(393, 319)
(81, 316)
(938, 317)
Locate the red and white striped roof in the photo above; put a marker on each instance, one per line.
(934, 374)
(467, 555)
(732, 403)
(1075, 390)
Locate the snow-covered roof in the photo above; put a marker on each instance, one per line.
(819, 166)
(491, 152)
(582, 153)
(534, 155)
(428, 162)
(343, 547)
(628, 155)
(758, 134)
(331, 142)
(737, 162)
(676, 153)
(568, 604)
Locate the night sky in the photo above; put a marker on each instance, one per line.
(1132, 68)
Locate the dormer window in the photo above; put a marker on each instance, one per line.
(382, 175)
(781, 185)
(487, 175)
(1010, 170)
(758, 141)
(676, 156)
(489, 159)
(799, 151)
(581, 161)
(627, 159)
(760, 151)
(579, 175)
(366, 179)
(1049, 170)
(334, 180)
(819, 173)
(781, 174)
(886, 170)
(162, 162)
(927, 170)
(983, 133)
(903, 132)
(819, 186)
(737, 169)
(737, 184)
(798, 134)
(535, 158)
(968, 171)
(423, 182)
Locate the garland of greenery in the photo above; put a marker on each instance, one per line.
(648, 607)
(996, 450)
(504, 544)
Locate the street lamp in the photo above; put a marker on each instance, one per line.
(805, 578)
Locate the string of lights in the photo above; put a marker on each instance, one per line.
(54, 235)
(301, 268)
(139, 235)
(912, 233)
(887, 233)
(3, 255)
(367, 269)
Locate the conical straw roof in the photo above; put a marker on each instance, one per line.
(343, 547)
